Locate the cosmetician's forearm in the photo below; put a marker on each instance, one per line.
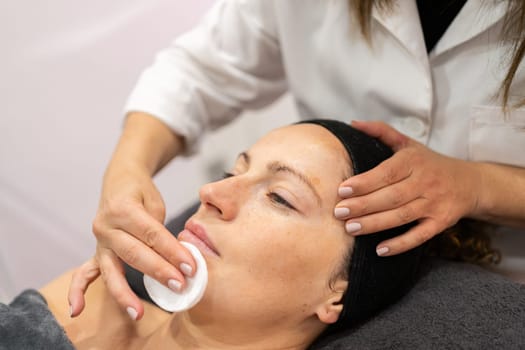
(501, 194)
(146, 142)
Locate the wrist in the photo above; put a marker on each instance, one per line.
(120, 168)
(476, 179)
(501, 194)
(147, 143)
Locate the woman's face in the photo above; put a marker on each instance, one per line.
(272, 226)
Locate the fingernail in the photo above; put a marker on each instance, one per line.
(175, 285)
(70, 311)
(382, 251)
(345, 191)
(132, 313)
(341, 213)
(186, 269)
(352, 227)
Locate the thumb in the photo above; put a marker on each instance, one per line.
(154, 205)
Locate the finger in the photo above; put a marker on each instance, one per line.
(387, 134)
(413, 238)
(387, 219)
(389, 172)
(115, 281)
(141, 257)
(386, 198)
(81, 279)
(166, 248)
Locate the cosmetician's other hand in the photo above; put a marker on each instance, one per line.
(129, 222)
(415, 184)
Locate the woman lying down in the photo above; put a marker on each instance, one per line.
(282, 271)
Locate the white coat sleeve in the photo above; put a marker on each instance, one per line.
(231, 61)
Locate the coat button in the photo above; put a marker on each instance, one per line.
(414, 127)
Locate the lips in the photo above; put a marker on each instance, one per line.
(196, 234)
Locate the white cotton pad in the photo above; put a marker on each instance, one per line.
(191, 295)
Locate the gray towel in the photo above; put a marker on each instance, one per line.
(453, 306)
(27, 323)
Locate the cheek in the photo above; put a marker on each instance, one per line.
(290, 254)
(278, 267)
(269, 252)
(273, 250)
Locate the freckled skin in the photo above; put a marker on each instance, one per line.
(260, 257)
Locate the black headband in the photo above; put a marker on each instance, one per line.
(374, 281)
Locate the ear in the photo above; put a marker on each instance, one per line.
(330, 308)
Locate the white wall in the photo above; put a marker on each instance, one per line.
(66, 68)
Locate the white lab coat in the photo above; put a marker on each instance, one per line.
(246, 53)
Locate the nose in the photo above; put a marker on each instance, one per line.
(221, 197)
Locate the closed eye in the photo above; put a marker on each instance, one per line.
(274, 197)
(280, 200)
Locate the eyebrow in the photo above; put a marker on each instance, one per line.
(276, 167)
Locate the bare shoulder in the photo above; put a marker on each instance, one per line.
(101, 312)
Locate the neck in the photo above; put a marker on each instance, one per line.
(182, 332)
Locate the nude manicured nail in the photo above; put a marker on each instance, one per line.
(175, 285)
(132, 313)
(186, 269)
(345, 192)
(341, 213)
(382, 251)
(352, 227)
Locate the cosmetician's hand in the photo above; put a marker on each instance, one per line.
(416, 183)
(128, 227)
